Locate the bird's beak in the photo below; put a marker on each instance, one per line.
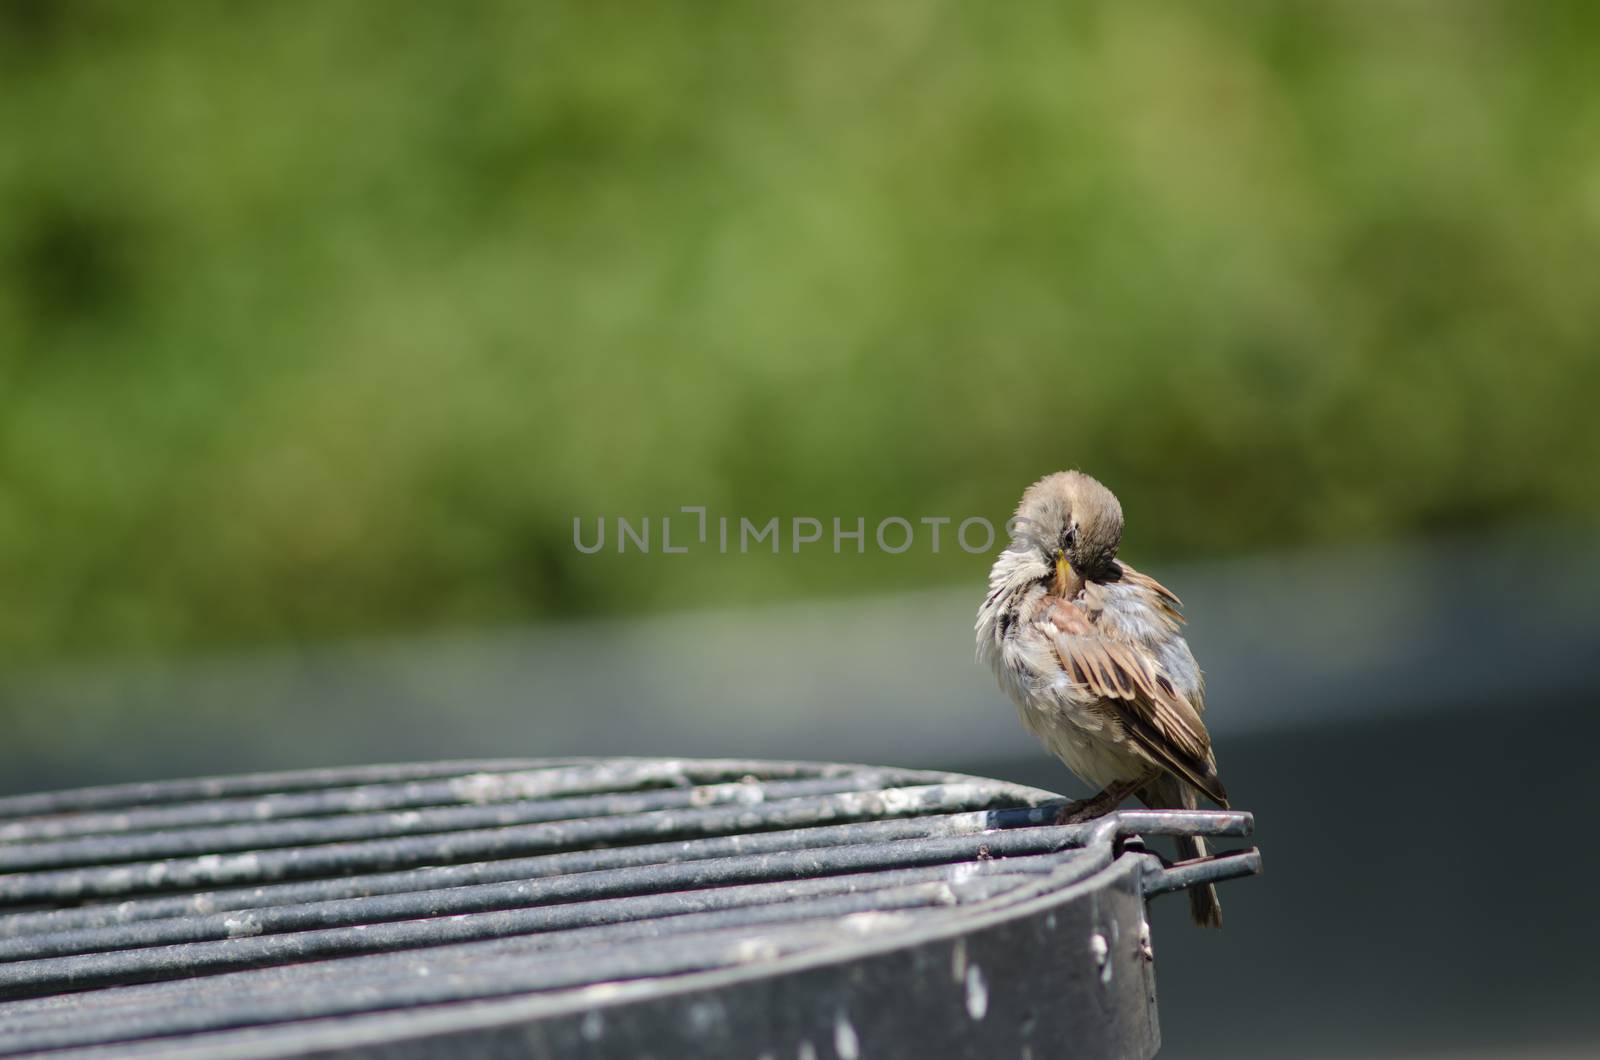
(1066, 577)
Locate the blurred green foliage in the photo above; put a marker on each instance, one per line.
(321, 319)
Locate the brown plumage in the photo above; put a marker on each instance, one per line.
(1132, 689)
(1092, 653)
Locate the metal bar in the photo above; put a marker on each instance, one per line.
(713, 950)
(1135, 822)
(145, 794)
(1201, 871)
(899, 992)
(374, 971)
(431, 878)
(478, 788)
(102, 850)
(31, 978)
(478, 844)
(219, 787)
(842, 918)
(650, 878)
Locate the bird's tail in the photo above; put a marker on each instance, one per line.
(1170, 793)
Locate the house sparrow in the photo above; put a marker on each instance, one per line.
(1089, 650)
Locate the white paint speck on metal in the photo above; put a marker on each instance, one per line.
(977, 993)
(704, 1016)
(965, 872)
(1101, 949)
(600, 991)
(758, 948)
(244, 926)
(845, 1042)
(897, 800)
(872, 921)
(967, 823)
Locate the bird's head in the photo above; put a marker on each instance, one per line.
(1074, 524)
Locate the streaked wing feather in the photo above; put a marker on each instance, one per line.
(1165, 599)
(1153, 713)
(1166, 602)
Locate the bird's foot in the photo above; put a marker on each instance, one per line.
(1079, 811)
(1082, 810)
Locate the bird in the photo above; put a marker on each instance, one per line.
(1091, 652)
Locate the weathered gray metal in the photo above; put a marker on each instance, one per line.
(582, 908)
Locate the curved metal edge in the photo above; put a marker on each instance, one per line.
(1057, 961)
(1035, 975)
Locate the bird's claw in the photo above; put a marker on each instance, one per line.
(1080, 811)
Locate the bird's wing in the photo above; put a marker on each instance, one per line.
(1168, 609)
(1164, 600)
(1156, 717)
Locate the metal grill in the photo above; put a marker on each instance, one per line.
(580, 908)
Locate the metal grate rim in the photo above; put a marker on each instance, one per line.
(248, 915)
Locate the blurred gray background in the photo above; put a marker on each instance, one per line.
(321, 324)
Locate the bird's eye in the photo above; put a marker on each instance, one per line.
(1069, 537)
